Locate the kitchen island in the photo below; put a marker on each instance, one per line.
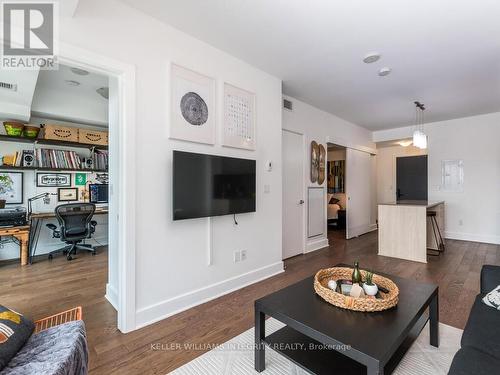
(405, 232)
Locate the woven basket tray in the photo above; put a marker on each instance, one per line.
(350, 303)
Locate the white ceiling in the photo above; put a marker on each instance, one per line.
(444, 53)
(55, 99)
(16, 105)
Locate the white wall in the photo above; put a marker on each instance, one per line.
(386, 169)
(322, 127)
(473, 214)
(171, 260)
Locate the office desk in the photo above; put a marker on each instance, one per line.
(22, 235)
(36, 220)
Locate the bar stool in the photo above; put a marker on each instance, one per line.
(435, 228)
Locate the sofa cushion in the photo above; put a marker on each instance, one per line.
(469, 361)
(15, 330)
(60, 350)
(482, 331)
(490, 278)
(492, 299)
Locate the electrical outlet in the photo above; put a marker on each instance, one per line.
(237, 256)
(460, 222)
(243, 255)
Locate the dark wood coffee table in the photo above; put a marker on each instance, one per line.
(324, 339)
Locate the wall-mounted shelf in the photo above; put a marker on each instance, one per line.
(8, 138)
(9, 167)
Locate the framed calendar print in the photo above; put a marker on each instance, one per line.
(239, 118)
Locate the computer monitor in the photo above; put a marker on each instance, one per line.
(98, 193)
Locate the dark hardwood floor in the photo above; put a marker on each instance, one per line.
(49, 287)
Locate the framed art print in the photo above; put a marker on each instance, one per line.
(67, 194)
(53, 179)
(239, 118)
(11, 187)
(193, 106)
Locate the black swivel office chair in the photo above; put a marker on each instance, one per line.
(76, 224)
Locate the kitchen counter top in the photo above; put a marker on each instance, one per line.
(427, 204)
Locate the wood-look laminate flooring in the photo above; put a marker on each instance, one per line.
(49, 287)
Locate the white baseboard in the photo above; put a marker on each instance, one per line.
(472, 237)
(112, 296)
(314, 245)
(159, 311)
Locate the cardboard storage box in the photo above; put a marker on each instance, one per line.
(93, 137)
(59, 133)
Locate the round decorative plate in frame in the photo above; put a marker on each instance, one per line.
(314, 161)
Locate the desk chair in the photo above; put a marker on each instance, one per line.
(76, 224)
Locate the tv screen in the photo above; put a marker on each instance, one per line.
(209, 185)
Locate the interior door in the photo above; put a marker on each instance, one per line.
(359, 187)
(411, 178)
(293, 194)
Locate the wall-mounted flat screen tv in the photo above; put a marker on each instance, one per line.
(210, 185)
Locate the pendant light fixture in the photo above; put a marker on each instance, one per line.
(419, 137)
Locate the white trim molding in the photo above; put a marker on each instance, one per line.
(112, 295)
(313, 245)
(493, 239)
(124, 216)
(159, 311)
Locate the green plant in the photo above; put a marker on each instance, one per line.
(369, 278)
(5, 184)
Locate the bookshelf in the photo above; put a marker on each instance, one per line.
(44, 169)
(56, 143)
(50, 142)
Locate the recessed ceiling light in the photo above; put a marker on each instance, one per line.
(371, 57)
(384, 71)
(70, 82)
(79, 71)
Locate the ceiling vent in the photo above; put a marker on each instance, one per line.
(288, 104)
(8, 86)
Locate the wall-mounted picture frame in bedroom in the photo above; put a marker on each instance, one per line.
(11, 187)
(53, 179)
(239, 118)
(193, 115)
(67, 194)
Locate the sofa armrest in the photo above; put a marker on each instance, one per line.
(490, 278)
(58, 319)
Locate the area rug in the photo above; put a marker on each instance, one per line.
(236, 357)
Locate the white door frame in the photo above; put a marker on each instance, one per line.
(304, 189)
(125, 197)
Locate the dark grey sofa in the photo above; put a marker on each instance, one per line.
(480, 352)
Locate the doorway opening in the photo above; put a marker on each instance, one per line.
(411, 178)
(116, 292)
(336, 193)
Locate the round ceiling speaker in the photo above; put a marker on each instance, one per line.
(371, 57)
(70, 82)
(384, 72)
(79, 71)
